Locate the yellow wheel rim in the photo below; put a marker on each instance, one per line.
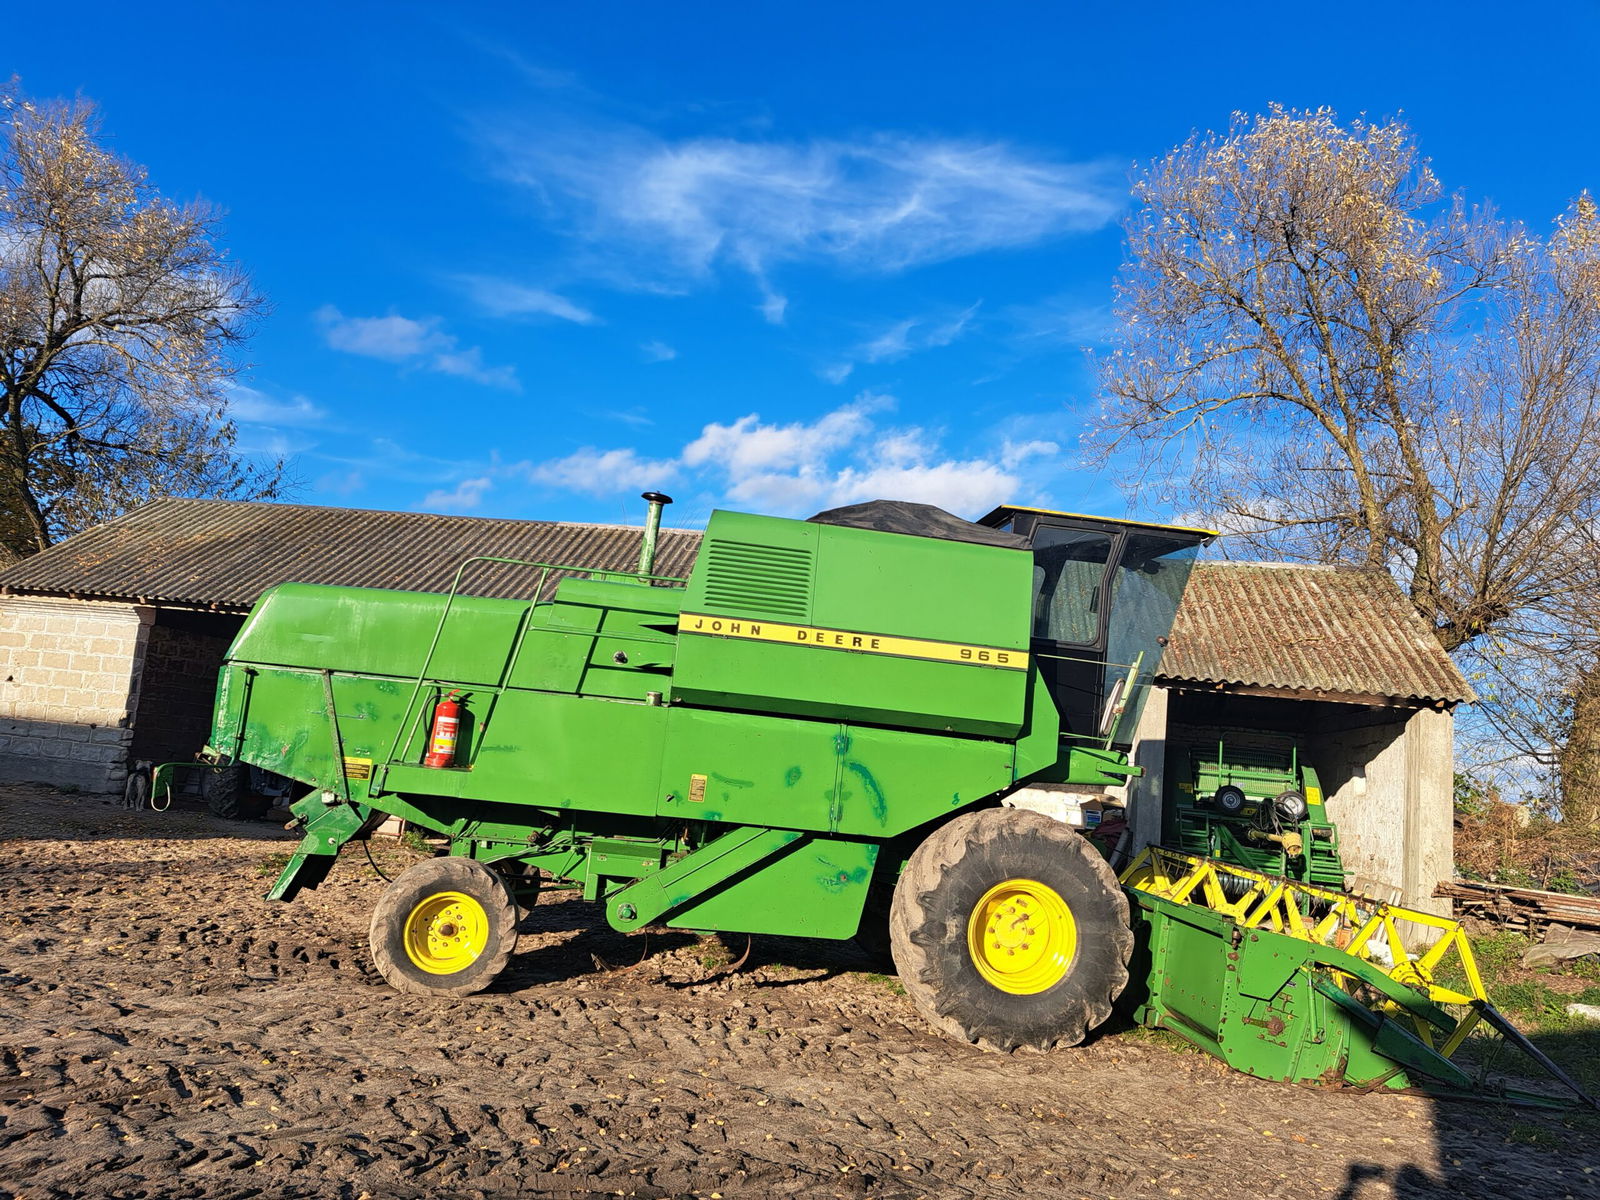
(446, 932)
(1022, 936)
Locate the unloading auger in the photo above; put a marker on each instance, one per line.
(1289, 981)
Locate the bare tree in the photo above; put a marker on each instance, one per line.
(1336, 363)
(118, 318)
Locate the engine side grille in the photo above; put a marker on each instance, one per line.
(772, 581)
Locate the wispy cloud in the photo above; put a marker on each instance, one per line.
(466, 495)
(253, 407)
(901, 339)
(657, 352)
(411, 342)
(686, 208)
(507, 298)
(844, 456)
(1059, 322)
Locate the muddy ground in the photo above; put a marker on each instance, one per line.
(165, 1032)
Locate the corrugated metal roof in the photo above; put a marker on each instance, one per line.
(1324, 631)
(225, 553)
(1316, 630)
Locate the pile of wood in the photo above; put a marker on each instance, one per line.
(1527, 910)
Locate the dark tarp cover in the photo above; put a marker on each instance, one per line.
(918, 520)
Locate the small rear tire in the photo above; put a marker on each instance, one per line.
(444, 927)
(227, 793)
(1010, 930)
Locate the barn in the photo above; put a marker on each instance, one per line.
(110, 644)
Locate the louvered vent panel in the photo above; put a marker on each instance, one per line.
(774, 581)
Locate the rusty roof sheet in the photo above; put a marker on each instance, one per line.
(224, 553)
(1327, 632)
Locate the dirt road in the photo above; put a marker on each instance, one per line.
(164, 1032)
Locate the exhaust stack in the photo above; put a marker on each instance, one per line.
(652, 530)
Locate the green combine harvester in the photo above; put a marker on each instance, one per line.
(862, 725)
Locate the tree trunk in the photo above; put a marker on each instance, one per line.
(1579, 759)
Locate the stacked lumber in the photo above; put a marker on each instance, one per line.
(1526, 909)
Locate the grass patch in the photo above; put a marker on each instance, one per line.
(272, 864)
(890, 983)
(1536, 999)
(711, 952)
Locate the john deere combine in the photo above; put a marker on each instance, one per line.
(864, 724)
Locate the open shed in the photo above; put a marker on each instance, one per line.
(1331, 664)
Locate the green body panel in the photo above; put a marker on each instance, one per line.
(862, 583)
(710, 781)
(1270, 1005)
(831, 873)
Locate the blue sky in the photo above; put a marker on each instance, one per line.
(528, 260)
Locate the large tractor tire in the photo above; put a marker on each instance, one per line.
(444, 927)
(227, 793)
(1010, 930)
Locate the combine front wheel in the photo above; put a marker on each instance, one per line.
(1010, 930)
(445, 927)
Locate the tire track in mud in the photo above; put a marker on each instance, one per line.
(163, 1032)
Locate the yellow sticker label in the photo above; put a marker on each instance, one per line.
(358, 768)
(860, 643)
(1313, 795)
(697, 789)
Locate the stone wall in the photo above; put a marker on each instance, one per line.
(69, 672)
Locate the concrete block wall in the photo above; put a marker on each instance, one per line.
(69, 672)
(178, 685)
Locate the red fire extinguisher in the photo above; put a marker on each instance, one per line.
(442, 735)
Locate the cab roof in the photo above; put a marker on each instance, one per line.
(998, 517)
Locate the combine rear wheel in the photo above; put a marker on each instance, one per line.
(445, 927)
(1010, 930)
(227, 794)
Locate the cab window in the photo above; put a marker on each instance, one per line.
(1069, 569)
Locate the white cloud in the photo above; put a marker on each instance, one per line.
(686, 208)
(469, 364)
(507, 298)
(467, 494)
(603, 472)
(1013, 454)
(774, 308)
(412, 343)
(842, 457)
(893, 344)
(257, 408)
(747, 447)
(393, 338)
(656, 352)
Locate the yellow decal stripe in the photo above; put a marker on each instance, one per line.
(861, 643)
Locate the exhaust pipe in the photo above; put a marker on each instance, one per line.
(652, 530)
